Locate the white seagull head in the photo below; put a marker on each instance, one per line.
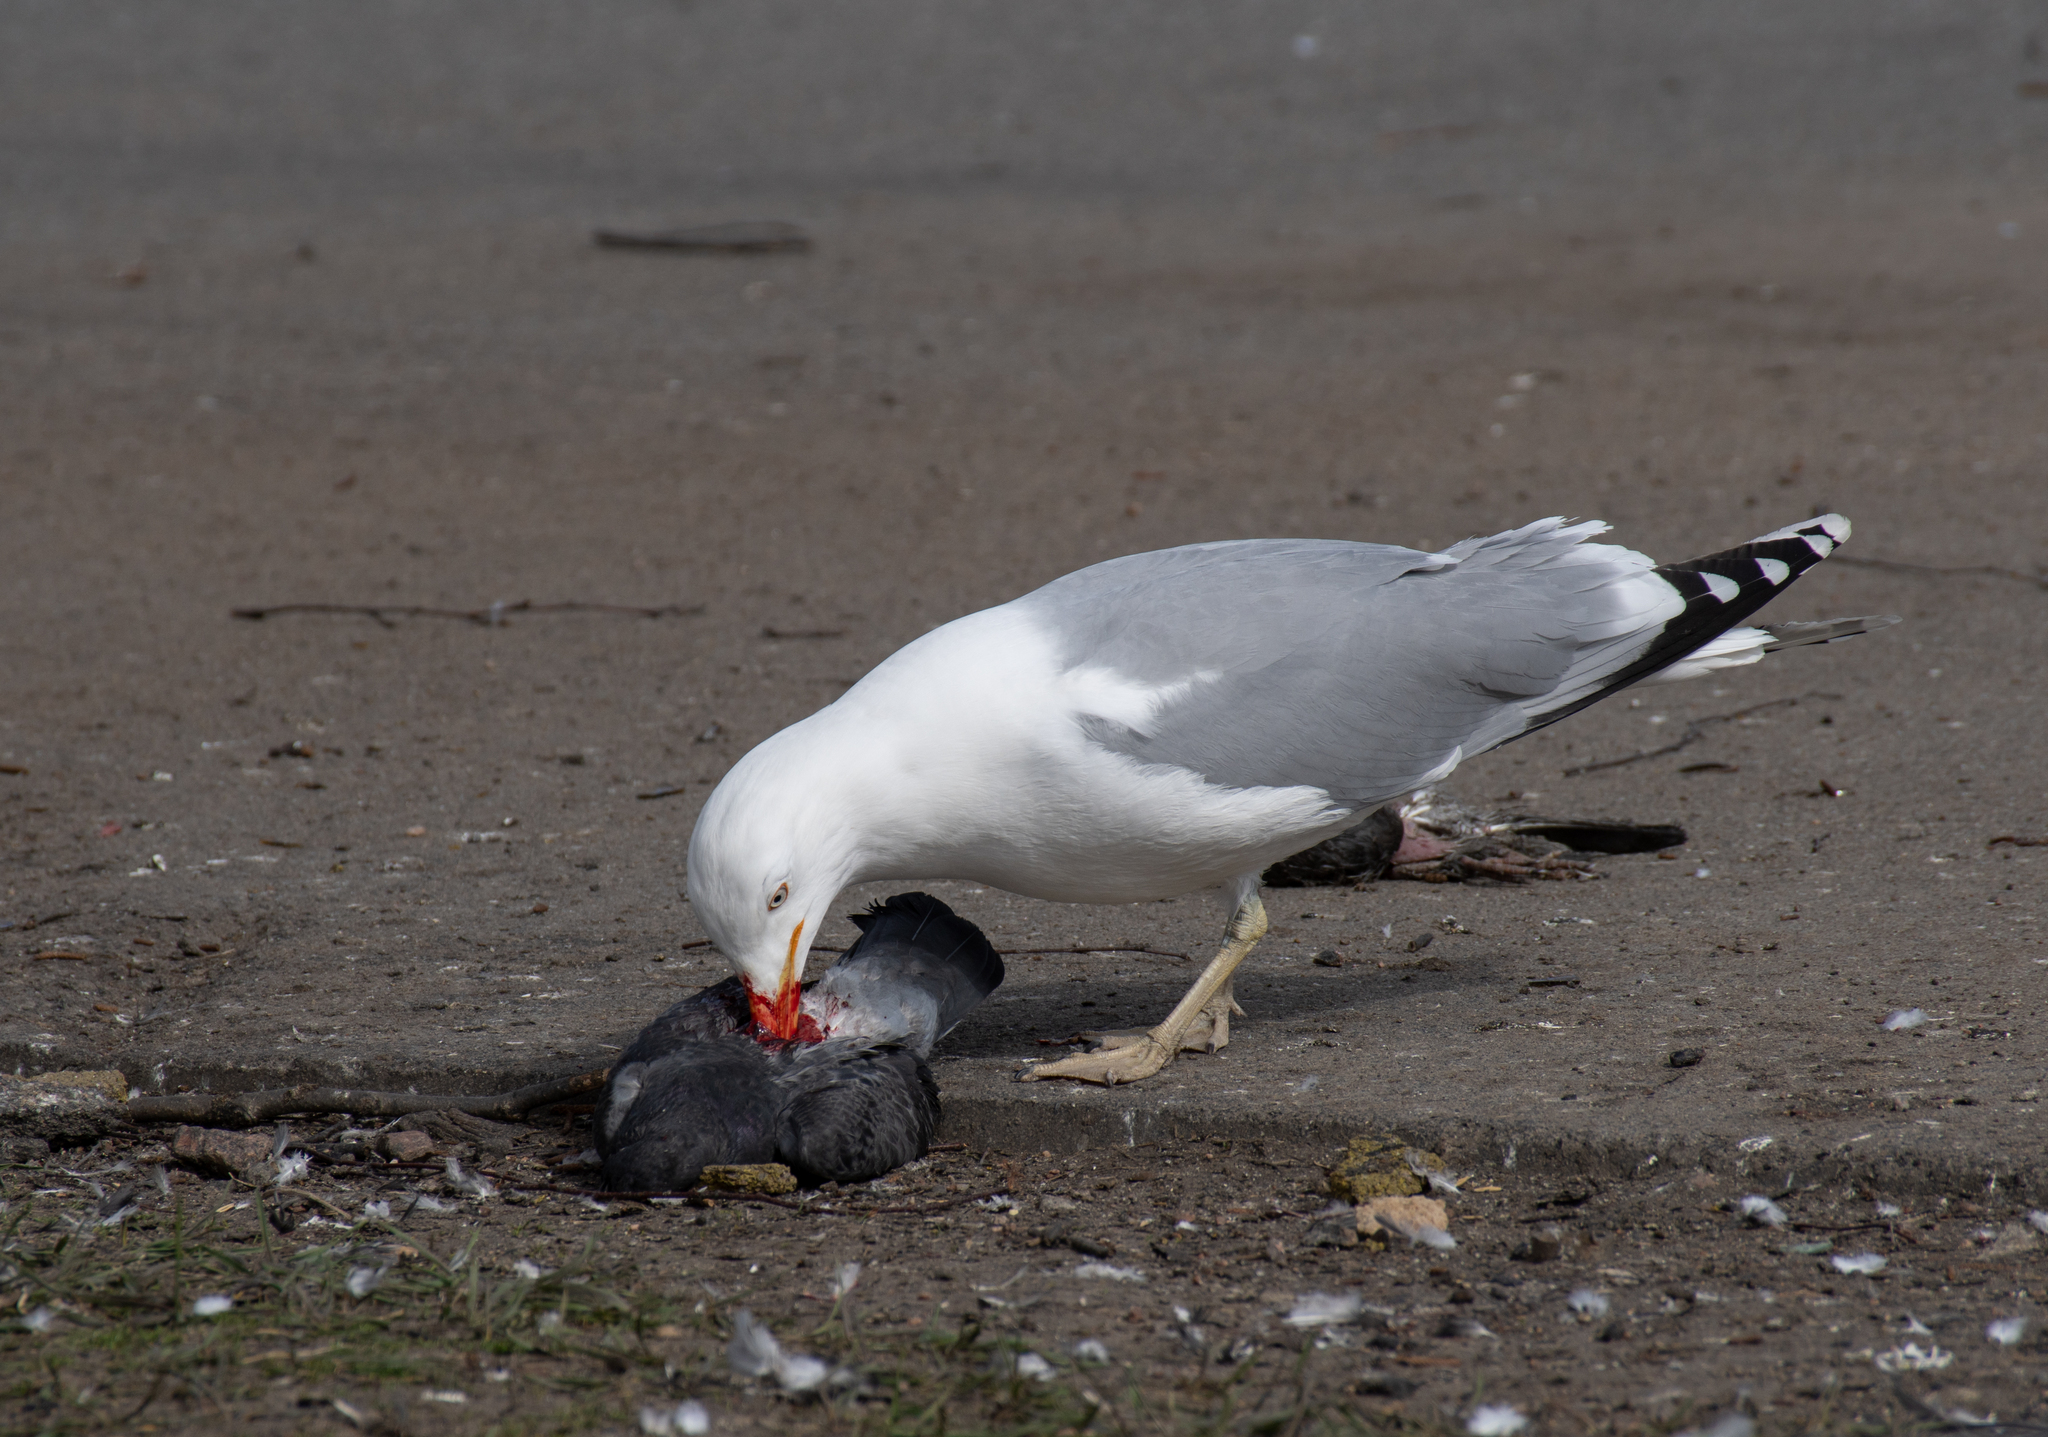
(771, 851)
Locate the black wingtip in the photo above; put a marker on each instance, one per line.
(1720, 591)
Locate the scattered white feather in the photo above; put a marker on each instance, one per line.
(1913, 1358)
(212, 1305)
(1091, 1351)
(380, 1210)
(1888, 1209)
(469, 1184)
(2006, 1331)
(1859, 1263)
(1588, 1303)
(1904, 1018)
(362, 1281)
(41, 1319)
(688, 1418)
(1495, 1419)
(844, 1280)
(1761, 1211)
(2038, 1220)
(754, 1352)
(445, 1394)
(1728, 1424)
(1438, 1179)
(427, 1202)
(291, 1169)
(1423, 1234)
(1109, 1271)
(531, 1271)
(1030, 1365)
(1321, 1309)
(1916, 1328)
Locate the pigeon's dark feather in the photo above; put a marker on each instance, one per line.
(719, 1011)
(709, 1101)
(852, 1118)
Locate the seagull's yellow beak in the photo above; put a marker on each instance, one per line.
(775, 1014)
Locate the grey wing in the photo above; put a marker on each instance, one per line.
(1359, 669)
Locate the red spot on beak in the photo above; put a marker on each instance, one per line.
(775, 1014)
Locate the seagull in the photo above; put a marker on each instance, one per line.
(849, 1099)
(1178, 720)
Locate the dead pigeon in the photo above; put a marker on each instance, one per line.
(702, 1085)
(1434, 838)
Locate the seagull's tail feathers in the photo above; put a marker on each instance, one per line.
(1691, 617)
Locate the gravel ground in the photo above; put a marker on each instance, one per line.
(1585, 1306)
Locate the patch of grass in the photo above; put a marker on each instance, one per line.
(376, 1327)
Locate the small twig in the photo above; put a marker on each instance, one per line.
(2016, 841)
(249, 1109)
(1694, 732)
(942, 1203)
(2039, 581)
(316, 1198)
(490, 616)
(1118, 948)
(699, 1194)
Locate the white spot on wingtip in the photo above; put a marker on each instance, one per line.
(1819, 543)
(1776, 570)
(1721, 586)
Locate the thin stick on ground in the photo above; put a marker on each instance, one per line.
(1694, 732)
(490, 616)
(1900, 566)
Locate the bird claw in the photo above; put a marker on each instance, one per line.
(1124, 1058)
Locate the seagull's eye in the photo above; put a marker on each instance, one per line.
(781, 896)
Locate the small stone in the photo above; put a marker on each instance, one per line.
(1546, 1244)
(405, 1147)
(765, 1178)
(221, 1154)
(1687, 1057)
(1327, 958)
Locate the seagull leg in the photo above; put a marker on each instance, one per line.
(1200, 1021)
